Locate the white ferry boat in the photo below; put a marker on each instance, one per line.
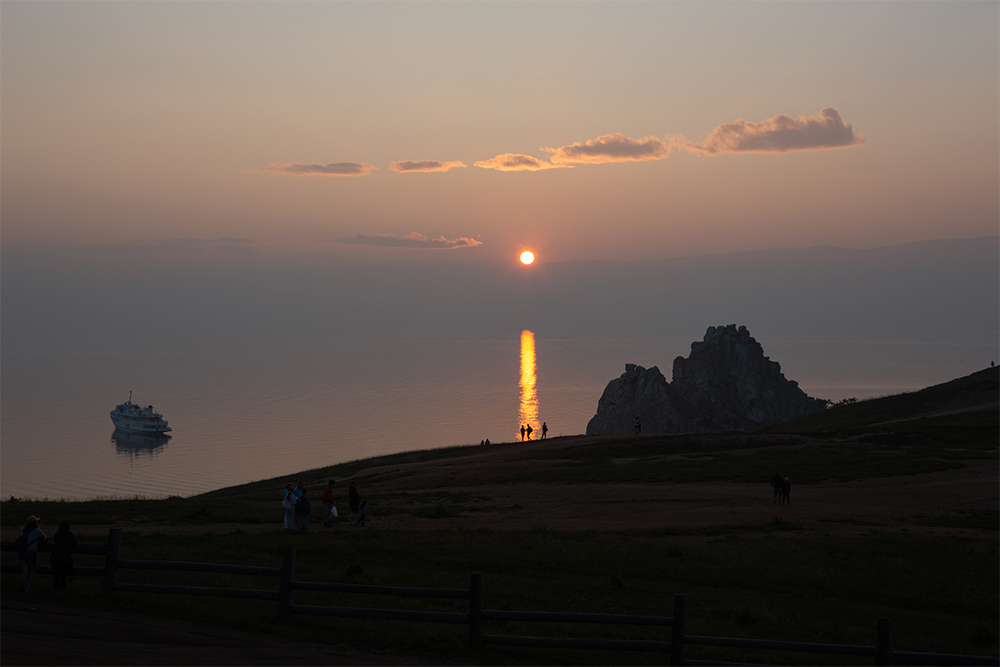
(130, 417)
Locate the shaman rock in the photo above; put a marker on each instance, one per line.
(725, 384)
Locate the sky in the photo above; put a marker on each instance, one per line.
(347, 133)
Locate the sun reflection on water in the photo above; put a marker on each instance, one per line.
(528, 411)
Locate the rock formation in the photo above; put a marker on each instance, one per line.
(726, 384)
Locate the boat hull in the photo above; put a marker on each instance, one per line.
(125, 423)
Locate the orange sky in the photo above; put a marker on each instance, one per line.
(599, 130)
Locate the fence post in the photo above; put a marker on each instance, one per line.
(111, 561)
(677, 630)
(287, 577)
(883, 656)
(475, 608)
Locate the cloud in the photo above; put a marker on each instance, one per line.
(778, 134)
(405, 166)
(332, 169)
(222, 244)
(411, 240)
(610, 148)
(517, 162)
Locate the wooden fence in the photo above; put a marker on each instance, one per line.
(880, 652)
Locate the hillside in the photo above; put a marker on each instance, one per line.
(978, 392)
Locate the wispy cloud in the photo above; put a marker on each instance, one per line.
(407, 166)
(222, 244)
(332, 169)
(411, 240)
(610, 148)
(517, 162)
(778, 134)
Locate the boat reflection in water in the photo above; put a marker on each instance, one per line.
(138, 444)
(528, 411)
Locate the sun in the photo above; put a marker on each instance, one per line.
(527, 257)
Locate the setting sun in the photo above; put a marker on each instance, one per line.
(527, 257)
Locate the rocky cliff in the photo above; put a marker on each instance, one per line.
(726, 384)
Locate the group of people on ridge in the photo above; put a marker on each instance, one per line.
(526, 430)
(782, 489)
(297, 506)
(61, 559)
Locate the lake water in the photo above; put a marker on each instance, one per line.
(247, 412)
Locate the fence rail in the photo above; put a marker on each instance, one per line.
(475, 615)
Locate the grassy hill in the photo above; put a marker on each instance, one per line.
(978, 392)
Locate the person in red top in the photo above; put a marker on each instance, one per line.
(331, 508)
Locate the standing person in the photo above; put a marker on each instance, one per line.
(328, 505)
(638, 424)
(288, 506)
(545, 429)
(776, 483)
(355, 500)
(61, 560)
(302, 509)
(33, 536)
(299, 488)
(364, 513)
(528, 429)
(522, 432)
(786, 488)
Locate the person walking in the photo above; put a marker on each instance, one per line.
(522, 432)
(528, 429)
(355, 500)
(545, 429)
(33, 536)
(786, 489)
(288, 507)
(302, 509)
(61, 560)
(363, 513)
(776, 482)
(328, 505)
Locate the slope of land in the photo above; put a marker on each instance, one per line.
(895, 509)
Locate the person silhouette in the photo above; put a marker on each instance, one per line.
(522, 432)
(545, 429)
(528, 430)
(638, 424)
(776, 484)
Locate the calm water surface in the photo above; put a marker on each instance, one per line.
(252, 412)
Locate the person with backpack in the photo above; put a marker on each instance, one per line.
(61, 560)
(302, 509)
(27, 550)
